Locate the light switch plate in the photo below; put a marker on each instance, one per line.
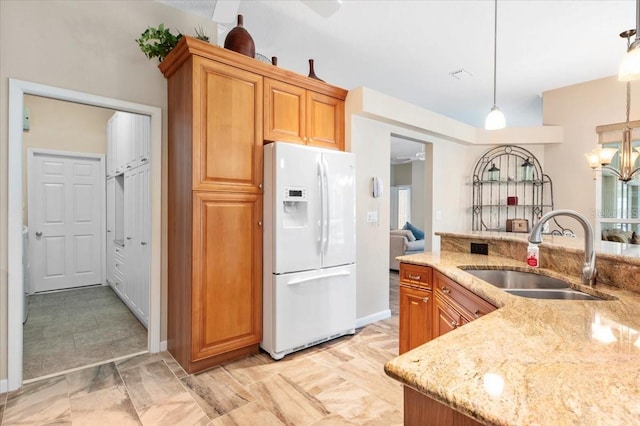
(372, 217)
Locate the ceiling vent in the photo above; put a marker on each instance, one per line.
(460, 74)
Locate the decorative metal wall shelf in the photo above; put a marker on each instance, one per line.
(508, 183)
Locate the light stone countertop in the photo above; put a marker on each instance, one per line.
(546, 362)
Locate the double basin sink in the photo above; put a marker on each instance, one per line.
(527, 284)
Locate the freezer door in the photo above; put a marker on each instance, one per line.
(296, 208)
(340, 221)
(311, 306)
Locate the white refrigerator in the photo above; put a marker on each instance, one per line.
(309, 282)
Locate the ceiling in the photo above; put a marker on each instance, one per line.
(408, 49)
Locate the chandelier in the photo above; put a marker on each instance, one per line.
(601, 157)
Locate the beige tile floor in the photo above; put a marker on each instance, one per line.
(73, 328)
(337, 383)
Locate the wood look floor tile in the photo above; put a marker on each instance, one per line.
(43, 402)
(248, 414)
(335, 420)
(216, 392)
(93, 379)
(340, 382)
(311, 376)
(3, 400)
(368, 374)
(137, 361)
(357, 404)
(173, 365)
(287, 401)
(151, 384)
(250, 369)
(108, 406)
(179, 409)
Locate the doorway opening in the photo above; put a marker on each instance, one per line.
(17, 91)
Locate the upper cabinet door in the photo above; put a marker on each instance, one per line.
(325, 121)
(284, 106)
(227, 128)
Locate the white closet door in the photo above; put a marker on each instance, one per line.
(111, 228)
(65, 216)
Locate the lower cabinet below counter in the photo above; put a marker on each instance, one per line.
(420, 409)
(432, 304)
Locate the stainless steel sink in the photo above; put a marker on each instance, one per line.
(516, 279)
(568, 294)
(527, 284)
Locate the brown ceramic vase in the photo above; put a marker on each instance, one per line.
(239, 40)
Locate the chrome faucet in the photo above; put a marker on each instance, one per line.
(589, 268)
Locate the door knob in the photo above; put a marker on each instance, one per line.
(38, 234)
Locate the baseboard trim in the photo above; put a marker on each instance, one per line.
(369, 319)
(3, 385)
(163, 346)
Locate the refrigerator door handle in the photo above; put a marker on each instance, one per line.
(325, 207)
(320, 239)
(318, 277)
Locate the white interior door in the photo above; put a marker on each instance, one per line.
(65, 215)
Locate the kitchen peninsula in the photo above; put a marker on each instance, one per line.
(531, 361)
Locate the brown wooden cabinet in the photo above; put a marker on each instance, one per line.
(419, 409)
(214, 205)
(296, 114)
(455, 305)
(416, 301)
(415, 317)
(432, 304)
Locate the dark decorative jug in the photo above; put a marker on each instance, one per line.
(312, 73)
(239, 40)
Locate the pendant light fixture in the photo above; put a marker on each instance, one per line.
(603, 156)
(630, 66)
(495, 119)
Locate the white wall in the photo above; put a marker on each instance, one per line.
(368, 136)
(86, 46)
(446, 187)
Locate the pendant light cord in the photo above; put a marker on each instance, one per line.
(629, 82)
(495, 48)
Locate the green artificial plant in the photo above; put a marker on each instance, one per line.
(157, 42)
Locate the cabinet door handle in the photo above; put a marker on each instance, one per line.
(414, 277)
(445, 290)
(108, 230)
(128, 238)
(129, 166)
(425, 299)
(259, 223)
(260, 186)
(38, 234)
(144, 159)
(143, 243)
(454, 324)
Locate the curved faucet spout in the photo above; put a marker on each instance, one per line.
(589, 268)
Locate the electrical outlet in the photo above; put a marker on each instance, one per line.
(479, 248)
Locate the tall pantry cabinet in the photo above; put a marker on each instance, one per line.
(218, 109)
(215, 210)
